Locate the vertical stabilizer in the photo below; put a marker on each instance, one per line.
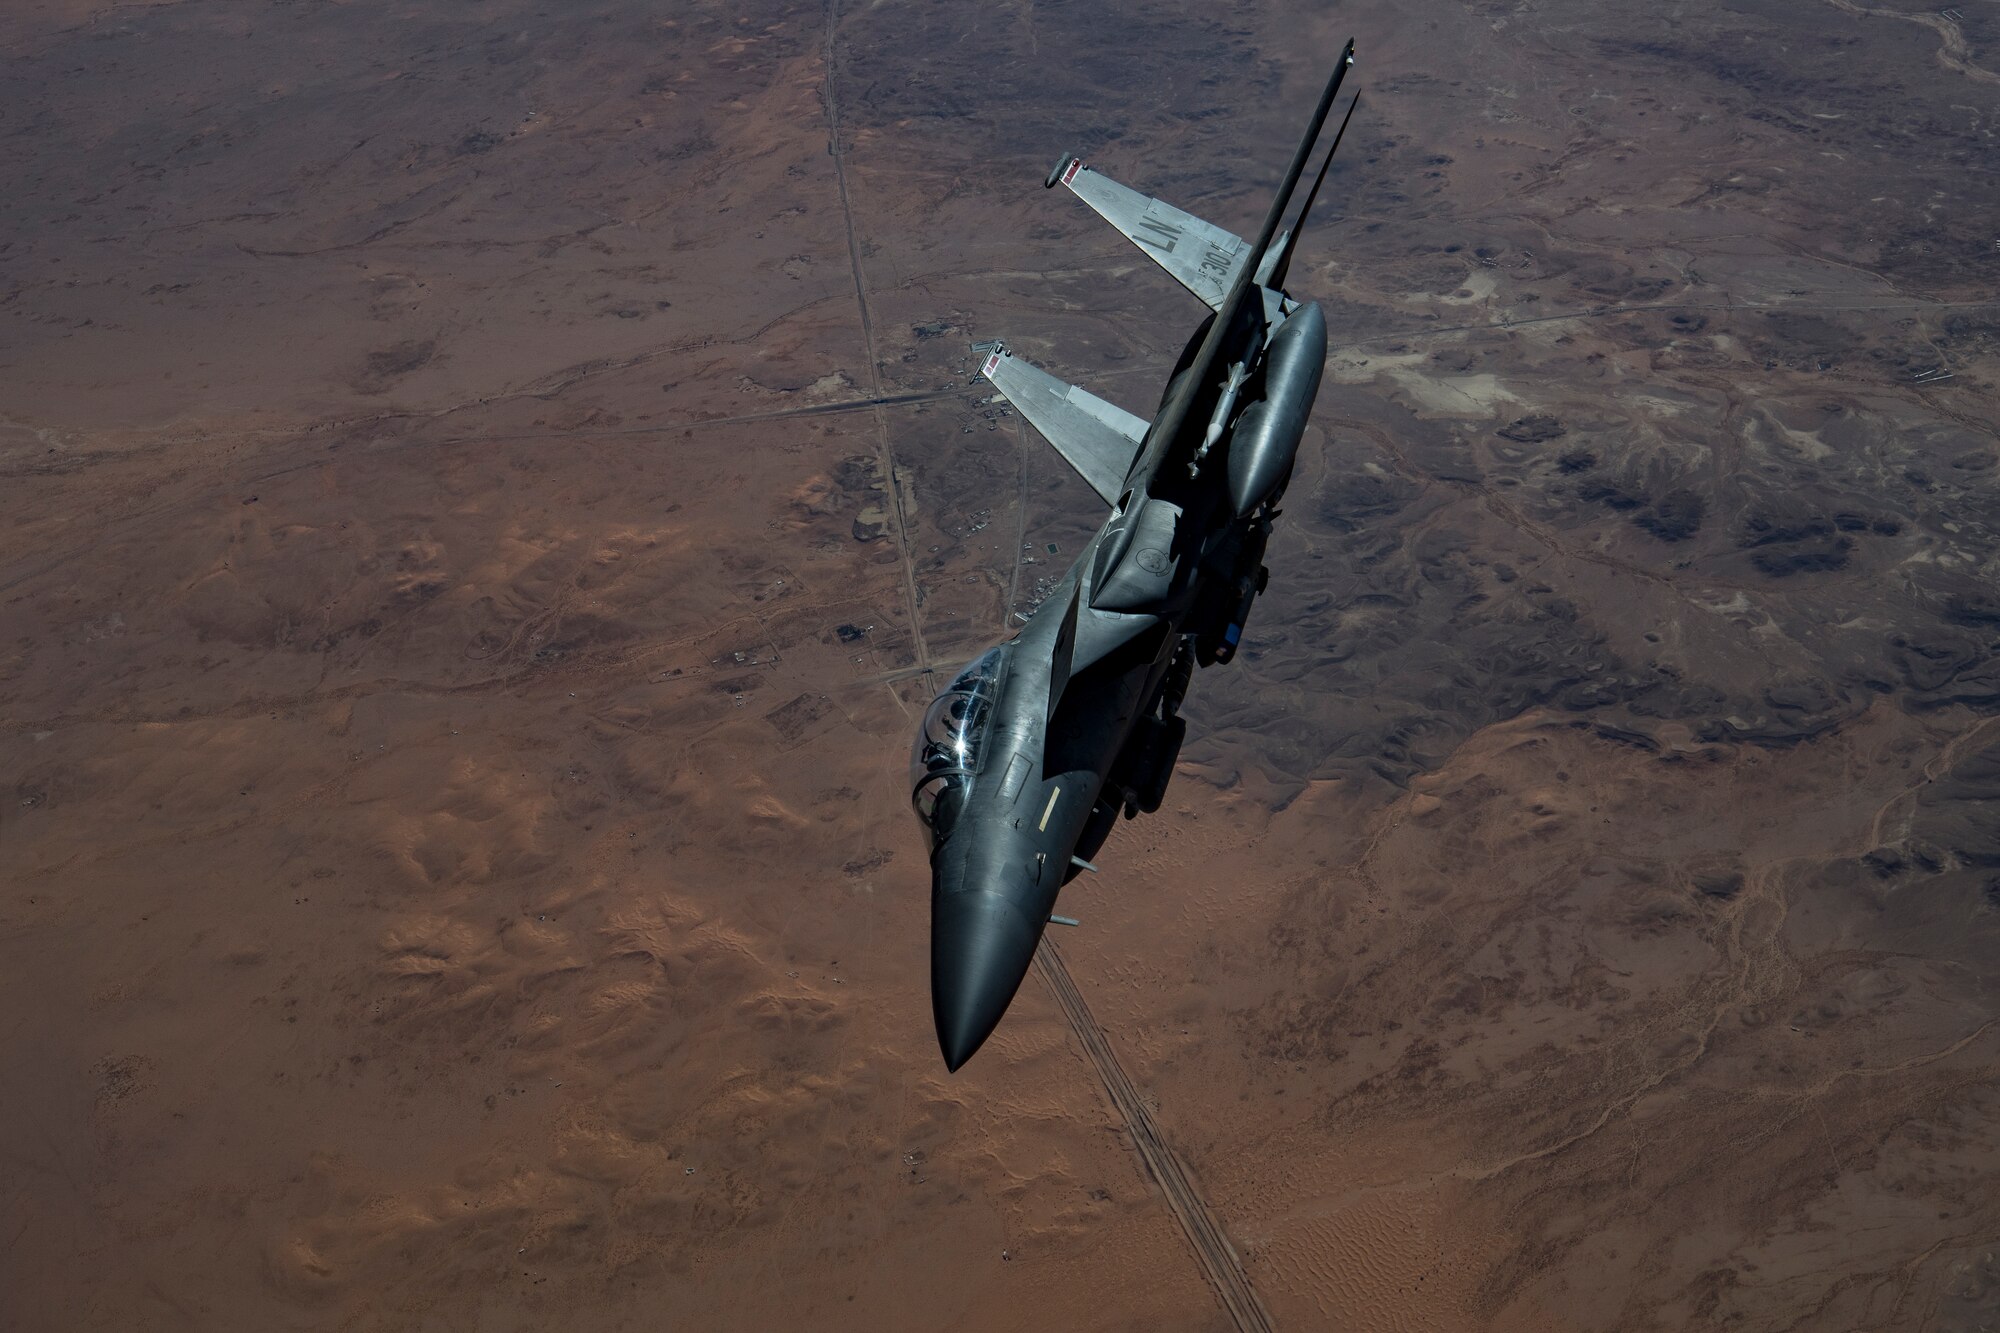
(1269, 231)
(1203, 371)
(1271, 273)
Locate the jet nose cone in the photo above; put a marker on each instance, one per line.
(981, 945)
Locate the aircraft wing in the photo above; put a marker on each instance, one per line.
(1097, 439)
(1201, 256)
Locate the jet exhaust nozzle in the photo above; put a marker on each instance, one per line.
(1268, 433)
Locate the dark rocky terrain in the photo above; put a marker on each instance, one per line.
(479, 488)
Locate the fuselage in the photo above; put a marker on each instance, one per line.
(1006, 849)
(1007, 831)
(1028, 757)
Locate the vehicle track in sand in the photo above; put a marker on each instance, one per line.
(1217, 1256)
(1211, 1246)
(830, 98)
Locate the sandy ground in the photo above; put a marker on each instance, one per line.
(477, 488)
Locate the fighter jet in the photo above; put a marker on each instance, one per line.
(1027, 759)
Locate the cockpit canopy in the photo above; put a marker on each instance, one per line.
(950, 749)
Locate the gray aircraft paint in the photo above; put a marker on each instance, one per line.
(1025, 762)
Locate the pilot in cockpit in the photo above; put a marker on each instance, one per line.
(948, 753)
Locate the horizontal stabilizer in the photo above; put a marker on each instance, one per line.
(1201, 256)
(1097, 439)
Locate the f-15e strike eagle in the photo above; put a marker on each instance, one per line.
(1028, 757)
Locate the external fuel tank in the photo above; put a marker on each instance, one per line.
(1267, 435)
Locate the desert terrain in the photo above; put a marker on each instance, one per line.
(485, 490)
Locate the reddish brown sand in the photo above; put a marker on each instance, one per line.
(458, 605)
